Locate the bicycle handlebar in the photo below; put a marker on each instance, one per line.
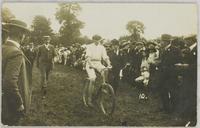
(110, 67)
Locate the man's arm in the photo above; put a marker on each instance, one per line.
(88, 56)
(38, 56)
(105, 57)
(11, 78)
(54, 52)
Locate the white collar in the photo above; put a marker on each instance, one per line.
(14, 42)
(46, 45)
(193, 46)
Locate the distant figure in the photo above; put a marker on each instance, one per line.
(46, 54)
(30, 53)
(115, 58)
(169, 75)
(16, 92)
(143, 79)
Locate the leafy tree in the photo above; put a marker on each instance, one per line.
(6, 14)
(55, 39)
(70, 26)
(40, 27)
(135, 28)
(83, 40)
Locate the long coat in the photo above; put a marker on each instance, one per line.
(15, 84)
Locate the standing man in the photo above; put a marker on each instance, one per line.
(30, 53)
(169, 87)
(46, 54)
(16, 93)
(116, 61)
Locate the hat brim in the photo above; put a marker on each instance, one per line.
(24, 29)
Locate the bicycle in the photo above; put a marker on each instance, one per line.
(103, 96)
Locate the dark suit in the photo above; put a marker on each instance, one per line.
(169, 87)
(45, 62)
(187, 109)
(116, 62)
(15, 84)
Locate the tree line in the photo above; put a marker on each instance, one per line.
(69, 32)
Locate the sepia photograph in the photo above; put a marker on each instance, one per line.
(99, 64)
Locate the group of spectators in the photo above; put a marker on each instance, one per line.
(71, 56)
(169, 71)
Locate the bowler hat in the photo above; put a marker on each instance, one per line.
(152, 43)
(115, 42)
(96, 37)
(14, 23)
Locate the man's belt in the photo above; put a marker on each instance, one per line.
(95, 60)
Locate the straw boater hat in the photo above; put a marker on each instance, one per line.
(16, 24)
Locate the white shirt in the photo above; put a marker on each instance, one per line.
(117, 52)
(96, 52)
(193, 46)
(153, 57)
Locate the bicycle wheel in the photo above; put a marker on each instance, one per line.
(107, 99)
(85, 93)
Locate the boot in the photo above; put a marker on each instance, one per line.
(44, 92)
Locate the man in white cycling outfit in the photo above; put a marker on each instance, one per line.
(95, 53)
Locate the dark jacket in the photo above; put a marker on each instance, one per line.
(116, 60)
(45, 56)
(15, 84)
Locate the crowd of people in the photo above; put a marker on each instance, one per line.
(170, 71)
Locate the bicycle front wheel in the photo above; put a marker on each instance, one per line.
(107, 99)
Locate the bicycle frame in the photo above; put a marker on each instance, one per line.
(101, 89)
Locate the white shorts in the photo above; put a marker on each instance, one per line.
(91, 72)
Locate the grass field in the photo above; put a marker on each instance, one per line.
(63, 105)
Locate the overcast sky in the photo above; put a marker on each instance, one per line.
(109, 20)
